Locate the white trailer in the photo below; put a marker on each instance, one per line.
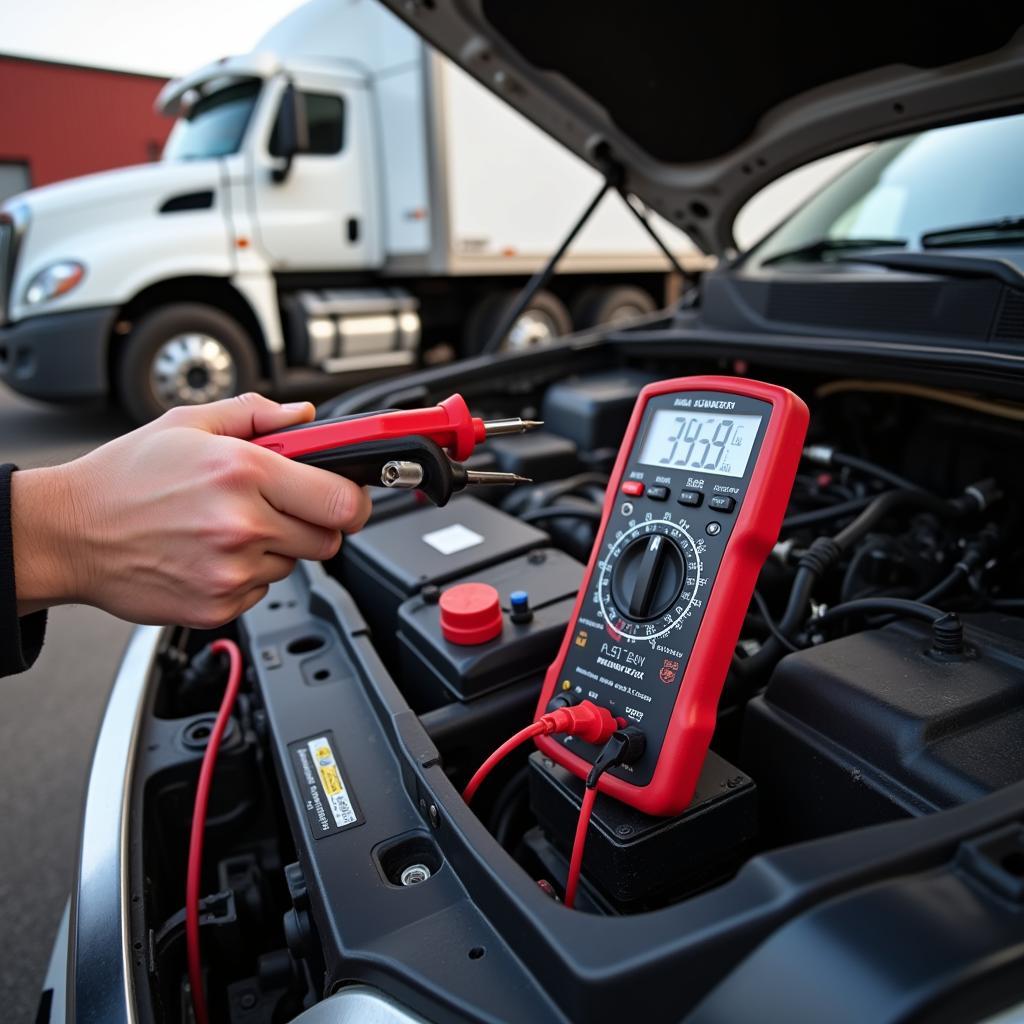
(340, 203)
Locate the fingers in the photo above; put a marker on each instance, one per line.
(243, 416)
(270, 569)
(293, 538)
(313, 495)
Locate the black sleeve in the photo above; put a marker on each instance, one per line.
(20, 639)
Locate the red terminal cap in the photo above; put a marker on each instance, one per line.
(470, 613)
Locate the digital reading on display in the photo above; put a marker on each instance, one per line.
(699, 441)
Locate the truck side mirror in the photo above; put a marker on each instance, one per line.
(290, 136)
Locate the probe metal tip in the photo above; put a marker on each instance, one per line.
(487, 478)
(515, 425)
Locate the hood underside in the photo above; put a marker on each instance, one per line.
(699, 106)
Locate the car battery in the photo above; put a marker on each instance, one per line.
(533, 601)
(637, 862)
(387, 562)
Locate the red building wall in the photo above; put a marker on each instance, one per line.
(64, 120)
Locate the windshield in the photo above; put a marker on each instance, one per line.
(908, 187)
(215, 125)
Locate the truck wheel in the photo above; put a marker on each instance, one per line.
(544, 320)
(614, 305)
(184, 354)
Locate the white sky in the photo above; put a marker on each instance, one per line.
(163, 37)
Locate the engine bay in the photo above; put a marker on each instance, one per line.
(844, 710)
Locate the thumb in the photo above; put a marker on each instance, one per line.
(245, 415)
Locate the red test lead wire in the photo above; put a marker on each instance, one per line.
(579, 842)
(591, 723)
(624, 746)
(195, 846)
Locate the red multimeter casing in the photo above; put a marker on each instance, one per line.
(694, 505)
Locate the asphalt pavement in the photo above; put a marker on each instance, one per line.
(49, 718)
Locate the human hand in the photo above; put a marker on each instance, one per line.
(181, 521)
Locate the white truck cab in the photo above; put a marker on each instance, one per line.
(315, 219)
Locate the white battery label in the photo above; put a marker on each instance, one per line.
(452, 539)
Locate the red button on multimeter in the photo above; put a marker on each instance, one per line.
(658, 616)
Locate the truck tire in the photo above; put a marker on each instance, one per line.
(186, 353)
(610, 305)
(544, 320)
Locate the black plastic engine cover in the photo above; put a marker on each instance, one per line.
(873, 727)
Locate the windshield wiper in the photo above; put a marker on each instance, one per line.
(944, 264)
(991, 232)
(821, 247)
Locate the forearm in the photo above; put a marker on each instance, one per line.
(50, 551)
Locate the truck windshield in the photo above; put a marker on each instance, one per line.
(215, 125)
(904, 189)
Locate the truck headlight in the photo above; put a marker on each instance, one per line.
(56, 279)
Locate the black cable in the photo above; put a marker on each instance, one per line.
(947, 630)
(561, 511)
(773, 628)
(945, 585)
(873, 469)
(890, 501)
(826, 551)
(880, 605)
(846, 591)
(821, 515)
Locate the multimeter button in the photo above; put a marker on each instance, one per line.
(657, 493)
(721, 503)
(470, 613)
(633, 488)
(691, 498)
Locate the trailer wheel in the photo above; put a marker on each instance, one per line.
(610, 305)
(544, 320)
(184, 354)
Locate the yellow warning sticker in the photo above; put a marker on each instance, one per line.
(330, 806)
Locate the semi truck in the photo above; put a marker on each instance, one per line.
(338, 204)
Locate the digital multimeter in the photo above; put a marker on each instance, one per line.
(694, 505)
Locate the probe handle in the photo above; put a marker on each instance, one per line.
(448, 424)
(364, 463)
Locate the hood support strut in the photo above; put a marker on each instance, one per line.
(612, 180)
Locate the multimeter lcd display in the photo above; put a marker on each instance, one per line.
(678, 439)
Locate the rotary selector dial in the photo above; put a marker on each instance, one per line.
(649, 580)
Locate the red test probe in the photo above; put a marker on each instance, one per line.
(448, 424)
(402, 448)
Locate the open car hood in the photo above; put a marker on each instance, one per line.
(698, 106)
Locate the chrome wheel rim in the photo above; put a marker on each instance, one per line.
(533, 328)
(192, 369)
(625, 313)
